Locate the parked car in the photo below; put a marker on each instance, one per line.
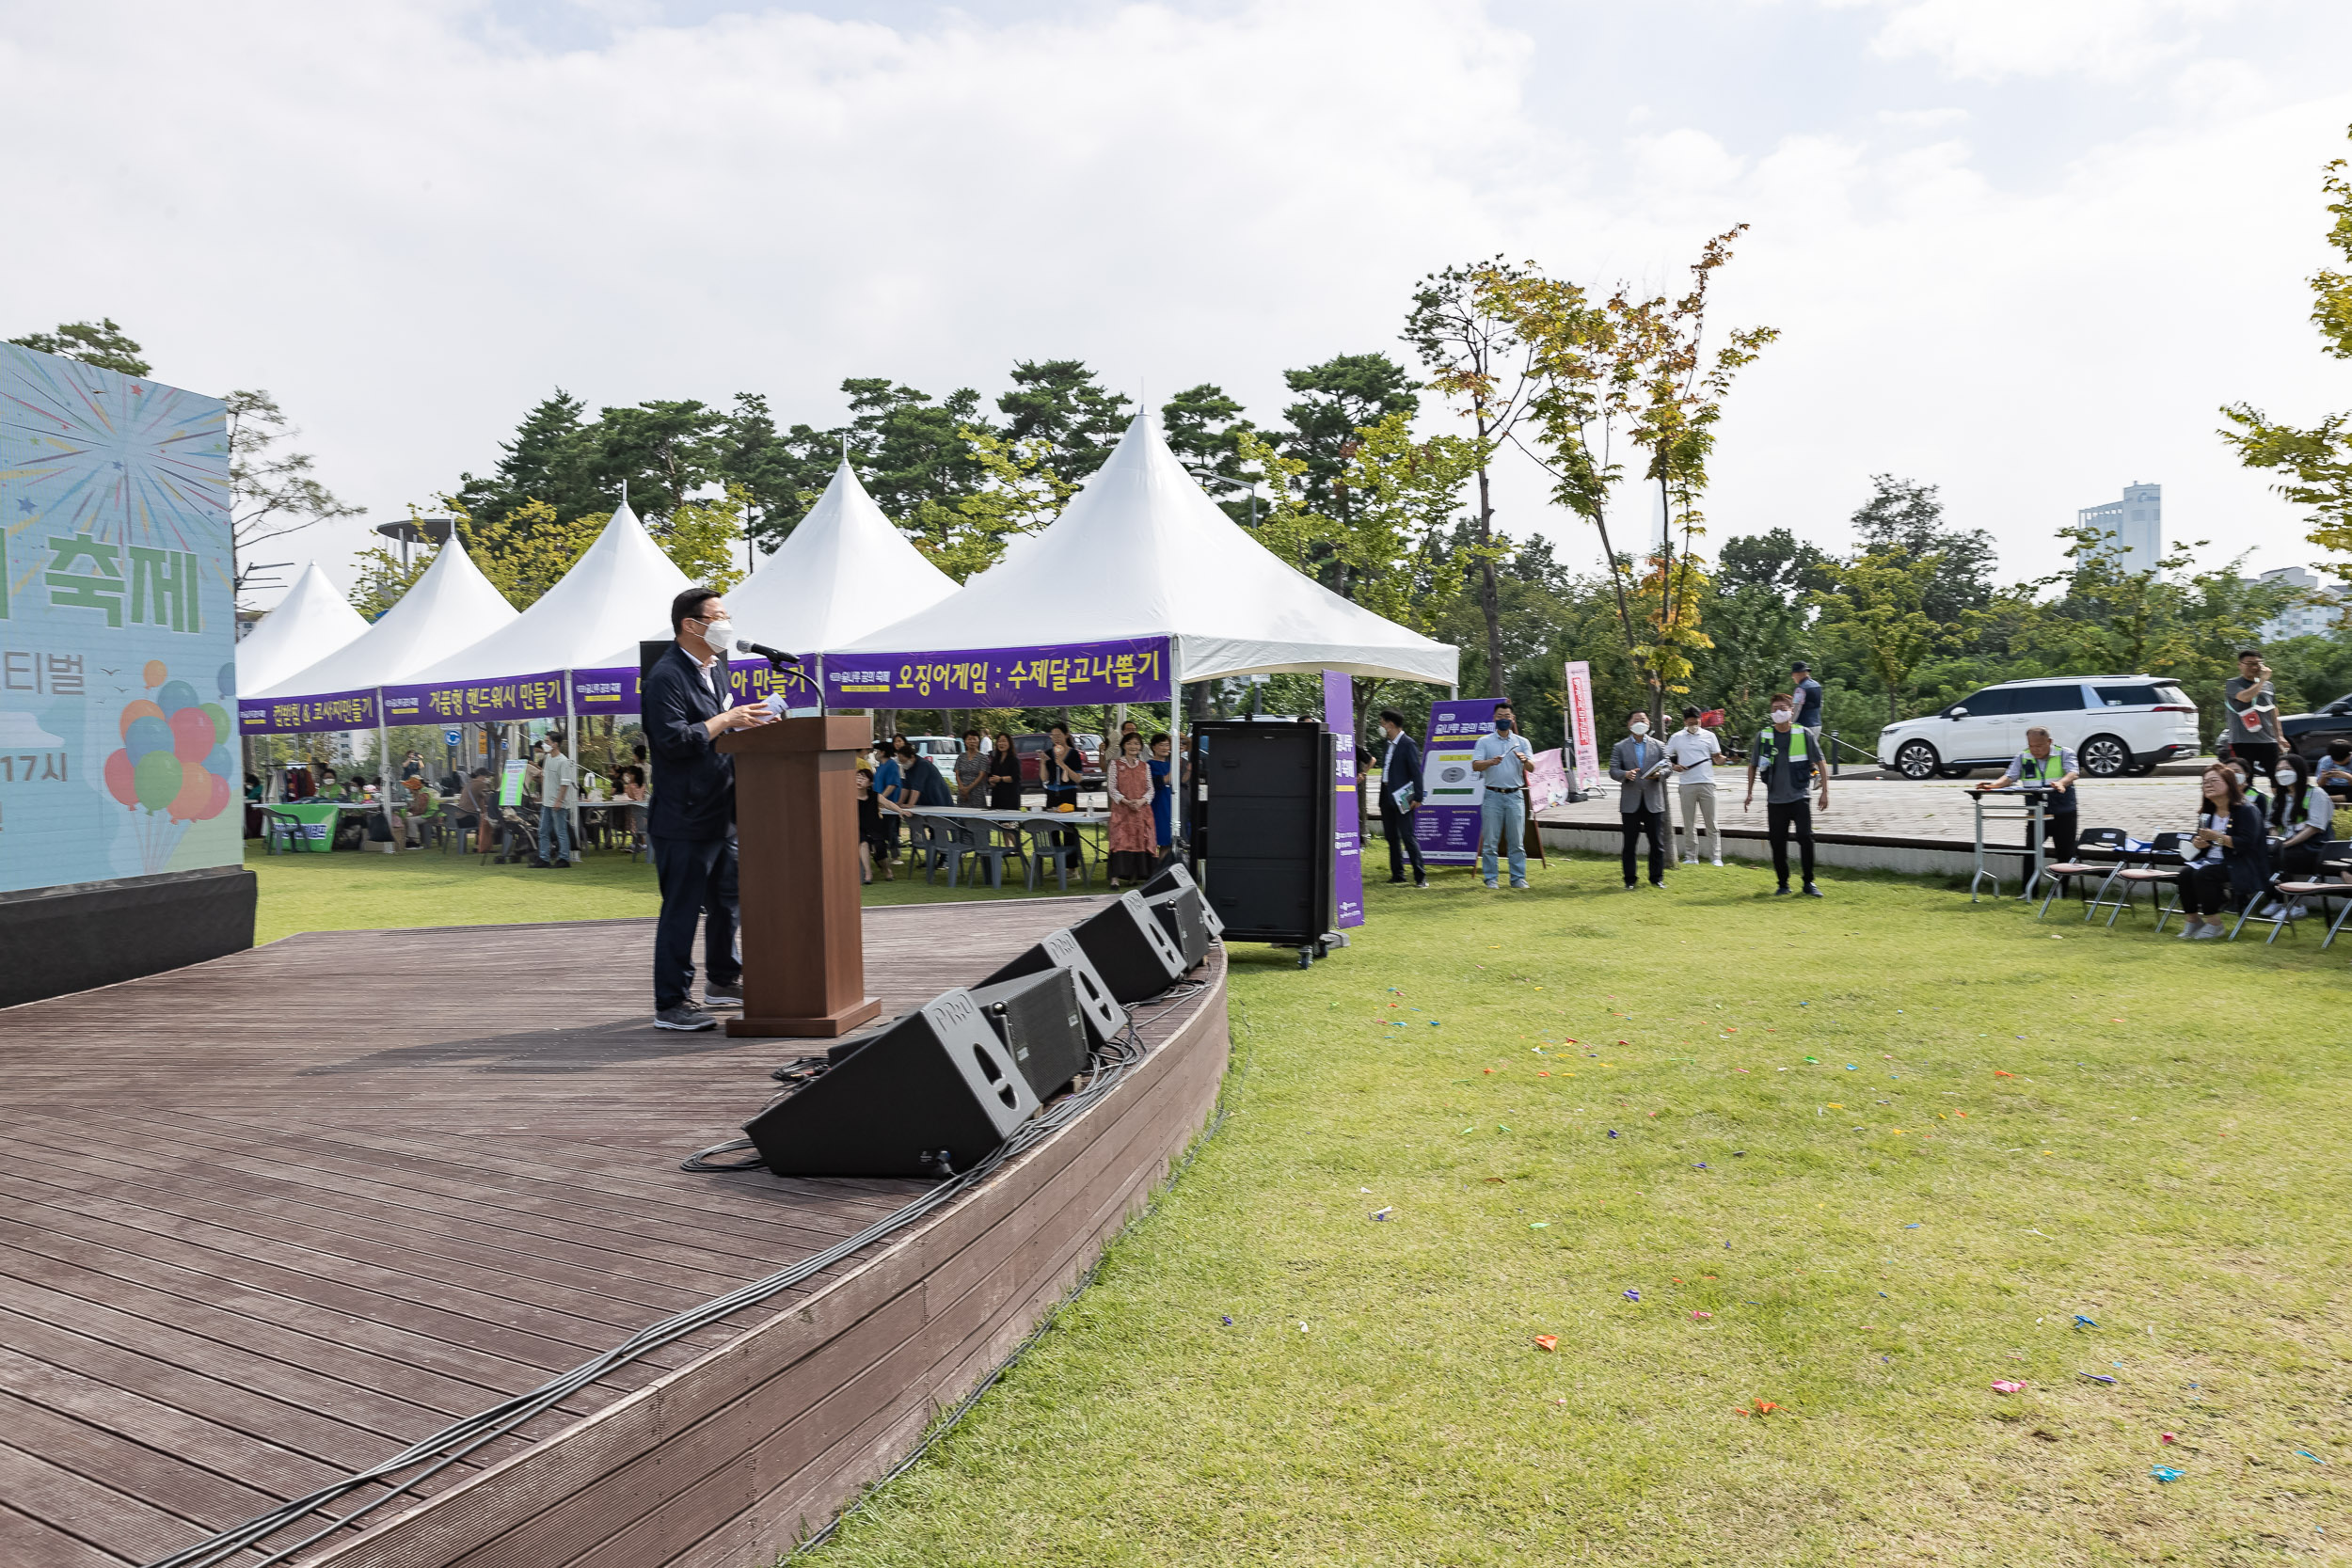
(2311, 733)
(935, 745)
(1032, 748)
(2117, 725)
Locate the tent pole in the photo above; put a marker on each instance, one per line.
(384, 773)
(1176, 750)
(571, 739)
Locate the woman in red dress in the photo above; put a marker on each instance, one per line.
(1134, 843)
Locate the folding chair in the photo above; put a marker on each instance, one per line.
(280, 828)
(928, 842)
(2165, 846)
(2110, 839)
(2285, 896)
(1042, 850)
(971, 840)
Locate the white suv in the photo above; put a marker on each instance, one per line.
(2117, 725)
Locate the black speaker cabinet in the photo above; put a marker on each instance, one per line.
(1037, 1017)
(1101, 1011)
(1264, 845)
(1173, 876)
(1183, 917)
(934, 1092)
(1130, 948)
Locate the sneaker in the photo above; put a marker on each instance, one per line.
(2189, 932)
(2207, 933)
(1781, 892)
(717, 995)
(1422, 882)
(684, 1016)
(1690, 859)
(1521, 885)
(2298, 911)
(1660, 886)
(1396, 882)
(1812, 891)
(1631, 886)
(1719, 860)
(1490, 881)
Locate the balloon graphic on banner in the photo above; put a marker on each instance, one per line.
(119, 780)
(219, 761)
(176, 695)
(219, 716)
(227, 680)
(192, 734)
(147, 736)
(157, 778)
(155, 674)
(140, 709)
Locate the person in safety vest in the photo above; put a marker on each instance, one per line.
(1787, 756)
(2044, 764)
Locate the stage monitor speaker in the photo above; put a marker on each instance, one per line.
(935, 1092)
(1100, 1011)
(1182, 915)
(1130, 948)
(1173, 876)
(1037, 1017)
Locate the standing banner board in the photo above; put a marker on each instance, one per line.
(118, 627)
(1582, 752)
(511, 784)
(1347, 812)
(1546, 781)
(1446, 823)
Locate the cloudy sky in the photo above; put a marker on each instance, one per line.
(2019, 248)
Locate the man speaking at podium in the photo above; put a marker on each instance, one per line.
(691, 823)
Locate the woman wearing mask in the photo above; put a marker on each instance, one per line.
(1692, 750)
(1060, 770)
(2226, 861)
(2301, 815)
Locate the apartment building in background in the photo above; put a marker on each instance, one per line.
(2316, 619)
(2137, 523)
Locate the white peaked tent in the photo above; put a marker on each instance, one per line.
(311, 621)
(451, 605)
(1141, 552)
(836, 576)
(616, 595)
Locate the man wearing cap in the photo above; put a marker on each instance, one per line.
(1807, 692)
(1785, 755)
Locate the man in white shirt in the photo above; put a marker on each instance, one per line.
(559, 784)
(1692, 750)
(1501, 760)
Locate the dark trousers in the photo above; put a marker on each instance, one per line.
(2261, 755)
(2206, 890)
(1397, 826)
(1781, 819)
(697, 880)
(2299, 862)
(1634, 824)
(2062, 827)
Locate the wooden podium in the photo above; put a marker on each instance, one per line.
(796, 830)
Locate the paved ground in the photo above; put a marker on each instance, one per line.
(1898, 808)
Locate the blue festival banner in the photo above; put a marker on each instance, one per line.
(1124, 670)
(1347, 812)
(1445, 822)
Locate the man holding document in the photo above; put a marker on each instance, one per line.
(1639, 767)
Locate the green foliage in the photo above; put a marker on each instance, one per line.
(1904, 517)
(526, 551)
(2317, 460)
(1203, 426)
(379, 579)
(101, 344)
(706, 538)
(1019, 492)
(272, 491)
(1873, 617)
(1339, 397)
(1058, 402)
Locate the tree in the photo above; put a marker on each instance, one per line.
(272, 492)
(704, 538)
(909, 448)
(546, 461)
(1467, 342)
(1777, 561)
(2318, 459)
(1058, 401)
(1020, 493)
(1203, 428)
(100, 343)
(655, 453)
(526, 551)
(1906, 517)
(1343, 395)
(1873, 616)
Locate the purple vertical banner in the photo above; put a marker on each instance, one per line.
(1347, 812)
(1445, 825)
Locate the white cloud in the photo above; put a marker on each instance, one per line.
(1988, 40)
(409, 223)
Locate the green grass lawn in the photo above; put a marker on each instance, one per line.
(1860, 1159)
(1815, 1143)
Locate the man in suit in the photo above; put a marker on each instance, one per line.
(1399, 767)
(1641, 797)
(691, 821)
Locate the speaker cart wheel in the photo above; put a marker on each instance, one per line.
(1306, 956)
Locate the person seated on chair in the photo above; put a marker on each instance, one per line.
(473, 805)
(2227, 860)
(2333, 773)
(2045, 764)
(2301, 815)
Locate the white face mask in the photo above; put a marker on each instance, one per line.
(1780, 716)
(1641, 726)
(2284, 781)
(719, 636)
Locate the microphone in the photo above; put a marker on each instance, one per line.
(771, 655)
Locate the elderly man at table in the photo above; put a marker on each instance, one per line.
(2044, 765)
(691, 823)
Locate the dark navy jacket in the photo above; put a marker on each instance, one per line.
(1402, 766)
(694, 782)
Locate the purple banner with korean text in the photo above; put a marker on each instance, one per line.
(1347, 812)
(1446, 818)
(495, 702)
(1126, 670)
(330, 710)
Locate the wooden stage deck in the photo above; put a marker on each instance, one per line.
(267, 1221)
